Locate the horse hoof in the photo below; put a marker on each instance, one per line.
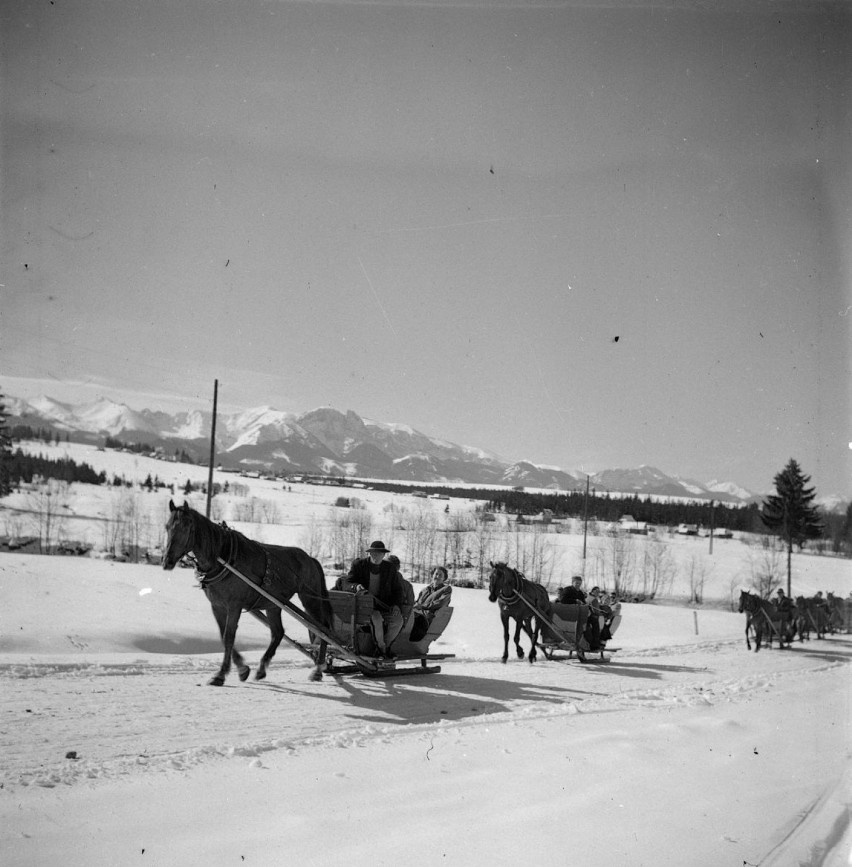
(216, 681)
(244, 673)
(261, 675)
(316, 675)
(503, 660)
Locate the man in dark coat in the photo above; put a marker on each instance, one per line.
(574, 594)
(381, 580)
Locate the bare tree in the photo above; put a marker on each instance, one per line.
(126, 529)
(765, 563)
(614, 562)
(698, 570)
(48, 505)
(458, 530)
(349, 533)
(421, 539)
(313, 538)
(530, 549)
(657, 568)
(484, 545)
(255, 510)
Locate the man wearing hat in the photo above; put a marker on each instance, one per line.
(380, 578)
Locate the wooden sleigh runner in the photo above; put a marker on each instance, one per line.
(350, 641)
(565, 630)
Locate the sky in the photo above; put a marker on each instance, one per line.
(588, 235)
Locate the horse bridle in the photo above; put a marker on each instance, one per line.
(205, 579)
(516, 596)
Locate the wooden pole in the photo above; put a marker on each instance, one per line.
(712, 522)
(212, 447)
(585, 522)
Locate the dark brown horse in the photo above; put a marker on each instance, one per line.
(281, 571)
(765, 619)
(836, 613)
(802, 618)
(509, 589)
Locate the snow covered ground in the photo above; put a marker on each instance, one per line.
(684, 750)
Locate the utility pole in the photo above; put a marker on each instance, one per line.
(712, 522)
(212, 447)
(585, 521)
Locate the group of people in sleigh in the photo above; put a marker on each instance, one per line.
(393, 596)
(603, 610)
(393, 599)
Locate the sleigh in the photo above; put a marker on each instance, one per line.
(351, 626)
(349, 640)
(565, 630)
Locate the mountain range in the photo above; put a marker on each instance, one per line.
(328, 441)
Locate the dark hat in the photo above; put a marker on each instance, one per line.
(378, 546)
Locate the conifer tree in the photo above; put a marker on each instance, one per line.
(790, 512)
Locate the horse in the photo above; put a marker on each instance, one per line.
(802, 618)
(836, 613)
(506, 587)
(763, 617)
(282, 571)
(819, 615)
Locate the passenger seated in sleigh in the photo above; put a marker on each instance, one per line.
(605, 613)
(575, 595)
(433, 597)
(602, 618)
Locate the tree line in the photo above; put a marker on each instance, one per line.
(23, 468)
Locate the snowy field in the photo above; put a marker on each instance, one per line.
(684, 750)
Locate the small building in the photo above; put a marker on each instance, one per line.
(630, 525)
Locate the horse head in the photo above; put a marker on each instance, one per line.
(180, 534)
(747, 600)
(502, 582)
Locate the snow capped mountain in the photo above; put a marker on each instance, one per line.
(650, 480)
(61, 415)
(729, 488)
(530, 475)
(326, 440)
(106, 415)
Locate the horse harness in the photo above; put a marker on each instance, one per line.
(506, 601)
(206, 579)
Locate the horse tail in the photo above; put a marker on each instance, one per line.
(325, 601)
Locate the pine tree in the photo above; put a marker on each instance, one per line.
(789, 511)
(5, 451)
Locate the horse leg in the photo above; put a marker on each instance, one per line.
(748, 643)
(533, 634)
(276, 629)
(504, 617)
(316, 674)
(518, 649)
(243, 670)
(227, 620)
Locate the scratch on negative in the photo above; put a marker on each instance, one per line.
(484, 221)
(431, 747)
(375, 295)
